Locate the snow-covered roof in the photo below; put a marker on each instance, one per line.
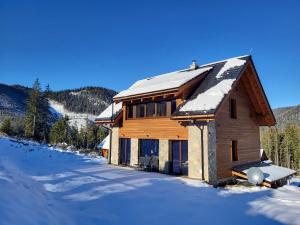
(105, 143)
(215, 86)
(271, 172)
(107, 113)
(162, 82)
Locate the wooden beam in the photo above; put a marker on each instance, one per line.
(244, 176)
(207, 116)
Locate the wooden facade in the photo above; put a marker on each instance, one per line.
(239, 125)
(244, 129)
(153, 127)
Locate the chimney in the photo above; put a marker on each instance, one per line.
(194, 65)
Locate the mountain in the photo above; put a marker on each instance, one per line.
(80, 105)
(12, 100)
(91, 100)
(287, 115)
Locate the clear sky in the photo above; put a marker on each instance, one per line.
(70, 44)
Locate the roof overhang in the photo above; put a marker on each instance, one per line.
(166, 92)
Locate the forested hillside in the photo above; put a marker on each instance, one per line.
(12, 100)
(92, 100)
(287, 115)
(282, 142)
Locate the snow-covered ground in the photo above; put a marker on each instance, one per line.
(41, 185)
(76, 119)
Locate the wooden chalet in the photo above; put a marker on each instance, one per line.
(200, 122)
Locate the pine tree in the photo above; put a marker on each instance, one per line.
(48, 92)
(60, 131)
(73, 136)
(37, 114)
(6, 126)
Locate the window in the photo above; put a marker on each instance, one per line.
(150, 109)
(130, 111)
(162, 108)
(148, 147)
(234, 151)
(140, 110)
(173, 105)
(233, 113)
(148, 153)
(179, 157)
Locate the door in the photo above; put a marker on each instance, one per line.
(125, 144)
(179, 157)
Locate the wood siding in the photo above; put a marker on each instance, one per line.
(153, 128)
(244, 129)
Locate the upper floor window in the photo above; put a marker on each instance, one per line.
(130, 111)
(150, 109)
(173, 105)
(234, 151)
(140, 110)
(233, 111)
(162, 108)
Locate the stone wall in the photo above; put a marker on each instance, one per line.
(212, 153)
(209, 154)
(115, 146)
(163, 156)
(134, 152)
(194, 152)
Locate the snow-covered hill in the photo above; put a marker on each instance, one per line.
(76, 119)
(42, 185)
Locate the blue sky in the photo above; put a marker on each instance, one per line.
(70, 44)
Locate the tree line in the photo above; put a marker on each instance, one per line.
(91, 100)
(282, 146)
(38, 124)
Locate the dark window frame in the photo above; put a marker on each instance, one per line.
(152, 112)
(234, 151)
(233, 108)
(161, 112)
(140, 113)
(129, 109)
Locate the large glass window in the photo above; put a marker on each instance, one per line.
(162, 108)
(179, 157)
(148, 147)
(150, 109)
(140, 110)
(125, 151)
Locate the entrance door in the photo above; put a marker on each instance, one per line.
(125, 144)
(179, 157)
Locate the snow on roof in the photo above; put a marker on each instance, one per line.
(271, 172)
(213, 89)
(162, 82)
(105, 143)
(107, 113)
